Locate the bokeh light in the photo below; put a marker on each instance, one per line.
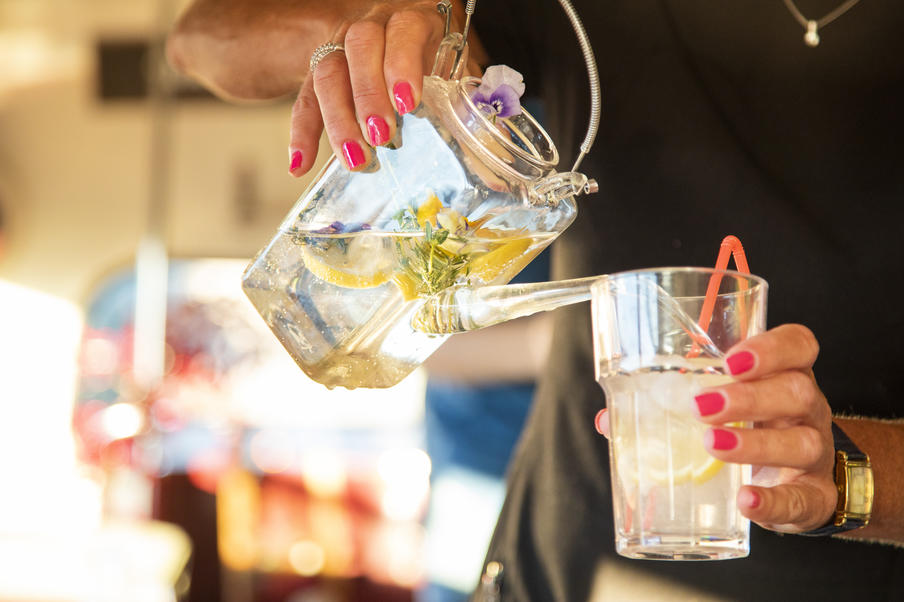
(306, 557)
(122, 420)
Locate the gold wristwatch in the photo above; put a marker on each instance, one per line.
(854, 480)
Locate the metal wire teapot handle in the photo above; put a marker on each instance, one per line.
(452, 54)
(592, 76)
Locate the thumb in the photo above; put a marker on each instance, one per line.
(788, 508)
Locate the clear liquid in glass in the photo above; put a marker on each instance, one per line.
(672, 500)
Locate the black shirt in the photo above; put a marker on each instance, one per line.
(717, 119)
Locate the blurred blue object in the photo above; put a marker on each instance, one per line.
(471, 432)
(475, 426)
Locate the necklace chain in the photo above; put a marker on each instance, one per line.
(811, 38)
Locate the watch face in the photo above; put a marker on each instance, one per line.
(859, 496)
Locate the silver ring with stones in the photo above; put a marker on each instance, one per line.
(322, 51)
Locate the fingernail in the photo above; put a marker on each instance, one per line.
(295, 162)
(749, 498)
(378, 130)
(601, 422)
(404, 99)
(741, 362)
(353, 153)
(709, 403)
(720, 439)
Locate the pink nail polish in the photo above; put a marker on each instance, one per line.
(720, 439)
(709, 403)
(378, 130)
(404, 98)
(601, 422)
(295, 163)
(741, 362)
(353, 153)
(749, 498)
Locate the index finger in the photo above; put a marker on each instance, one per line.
(785, 347)
(414, 35)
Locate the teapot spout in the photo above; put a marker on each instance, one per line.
(460, 308)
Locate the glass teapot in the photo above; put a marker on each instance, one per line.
(458, 200)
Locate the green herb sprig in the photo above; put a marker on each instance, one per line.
(424, 260)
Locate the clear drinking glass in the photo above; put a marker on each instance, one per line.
(671, 499)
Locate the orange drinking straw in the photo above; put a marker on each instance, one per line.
(730, 247)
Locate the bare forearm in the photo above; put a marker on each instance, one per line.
(259, 49)
(884, 442)
(250, 50)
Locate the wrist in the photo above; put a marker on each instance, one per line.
(854, 482)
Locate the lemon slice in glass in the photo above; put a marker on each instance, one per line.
(671, 453)
(688, 461)
(358, 261)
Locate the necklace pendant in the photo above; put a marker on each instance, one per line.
(811, 38)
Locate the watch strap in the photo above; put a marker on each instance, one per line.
(846, 452)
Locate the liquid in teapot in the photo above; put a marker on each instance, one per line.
(345, 308)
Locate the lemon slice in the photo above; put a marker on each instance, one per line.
(360, 261)
(508, 258)
(407, 285)
(688, 461)
(675, 455)
(650, 459)
(428, 210)
(657, 439)
(665, 447)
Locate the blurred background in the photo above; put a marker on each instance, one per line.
(156, 441)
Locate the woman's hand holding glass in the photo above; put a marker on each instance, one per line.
(790, 446)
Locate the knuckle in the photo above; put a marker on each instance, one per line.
(796, 504)
(308, 104)
(822, 411)
(810, 446)
(408, 21)
(365, 95)
(802, 390)
(334, 126)
(742, 396)
(329, 73)
(759, 445)
(361, 35)
(305, 103)
(805, 339)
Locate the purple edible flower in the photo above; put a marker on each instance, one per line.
(500, 92)
(340, 228)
